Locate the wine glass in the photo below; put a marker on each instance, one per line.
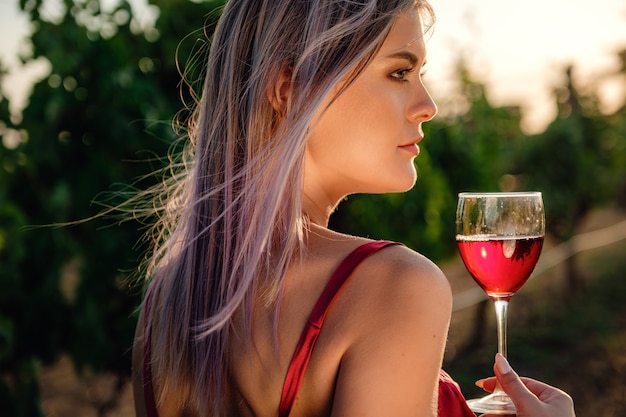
(499, 237)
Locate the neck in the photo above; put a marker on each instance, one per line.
(318, 214)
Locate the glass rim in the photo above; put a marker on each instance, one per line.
(500, 194)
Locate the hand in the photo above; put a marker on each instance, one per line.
(532, 398)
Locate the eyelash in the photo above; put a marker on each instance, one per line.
(401, 74)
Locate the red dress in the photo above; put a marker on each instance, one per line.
(451, 400)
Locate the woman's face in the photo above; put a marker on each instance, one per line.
(367, 139)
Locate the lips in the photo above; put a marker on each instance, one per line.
(413, 147)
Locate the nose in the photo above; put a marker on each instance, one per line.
(421, 106)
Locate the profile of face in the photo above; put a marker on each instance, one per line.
(366, 139)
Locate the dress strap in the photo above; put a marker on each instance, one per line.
(304, 349)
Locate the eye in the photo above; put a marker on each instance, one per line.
(401, 74)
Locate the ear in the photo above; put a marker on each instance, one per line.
(279, 92)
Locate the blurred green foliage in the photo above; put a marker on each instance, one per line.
(99, 122)
(103, 119)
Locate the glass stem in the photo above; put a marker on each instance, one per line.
(501, 310)
(501, 306)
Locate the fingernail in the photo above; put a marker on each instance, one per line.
(480, 383)
(502, 364)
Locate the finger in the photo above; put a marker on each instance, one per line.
(488, 384)
(540, 389)
(511, 382)
(544, 391)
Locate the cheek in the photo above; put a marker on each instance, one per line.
(356, 124)
(361, 123)
(376, 109)
(338, 126)
(365, 105)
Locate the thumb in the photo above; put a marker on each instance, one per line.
(511, 383)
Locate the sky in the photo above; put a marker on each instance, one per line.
(518, 49)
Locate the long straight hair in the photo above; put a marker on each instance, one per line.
(231, 221)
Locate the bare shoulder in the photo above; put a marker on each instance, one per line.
(403, 275)
(401, 259)
(396, 291)
(396, 313)
(393, 274)
(392, 261)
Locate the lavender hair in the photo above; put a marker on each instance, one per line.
(230, 218)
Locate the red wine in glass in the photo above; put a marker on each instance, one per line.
(500, 265)
(499, 237)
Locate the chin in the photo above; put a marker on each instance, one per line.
(397, 181)
(398, 187)
(409, 182)
(408, 187)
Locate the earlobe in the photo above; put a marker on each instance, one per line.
(279, 92)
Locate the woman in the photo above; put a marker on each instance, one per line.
(256, 308)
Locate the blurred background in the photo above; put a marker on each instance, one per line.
(532, 96)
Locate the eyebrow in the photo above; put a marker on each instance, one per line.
(404, 55)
